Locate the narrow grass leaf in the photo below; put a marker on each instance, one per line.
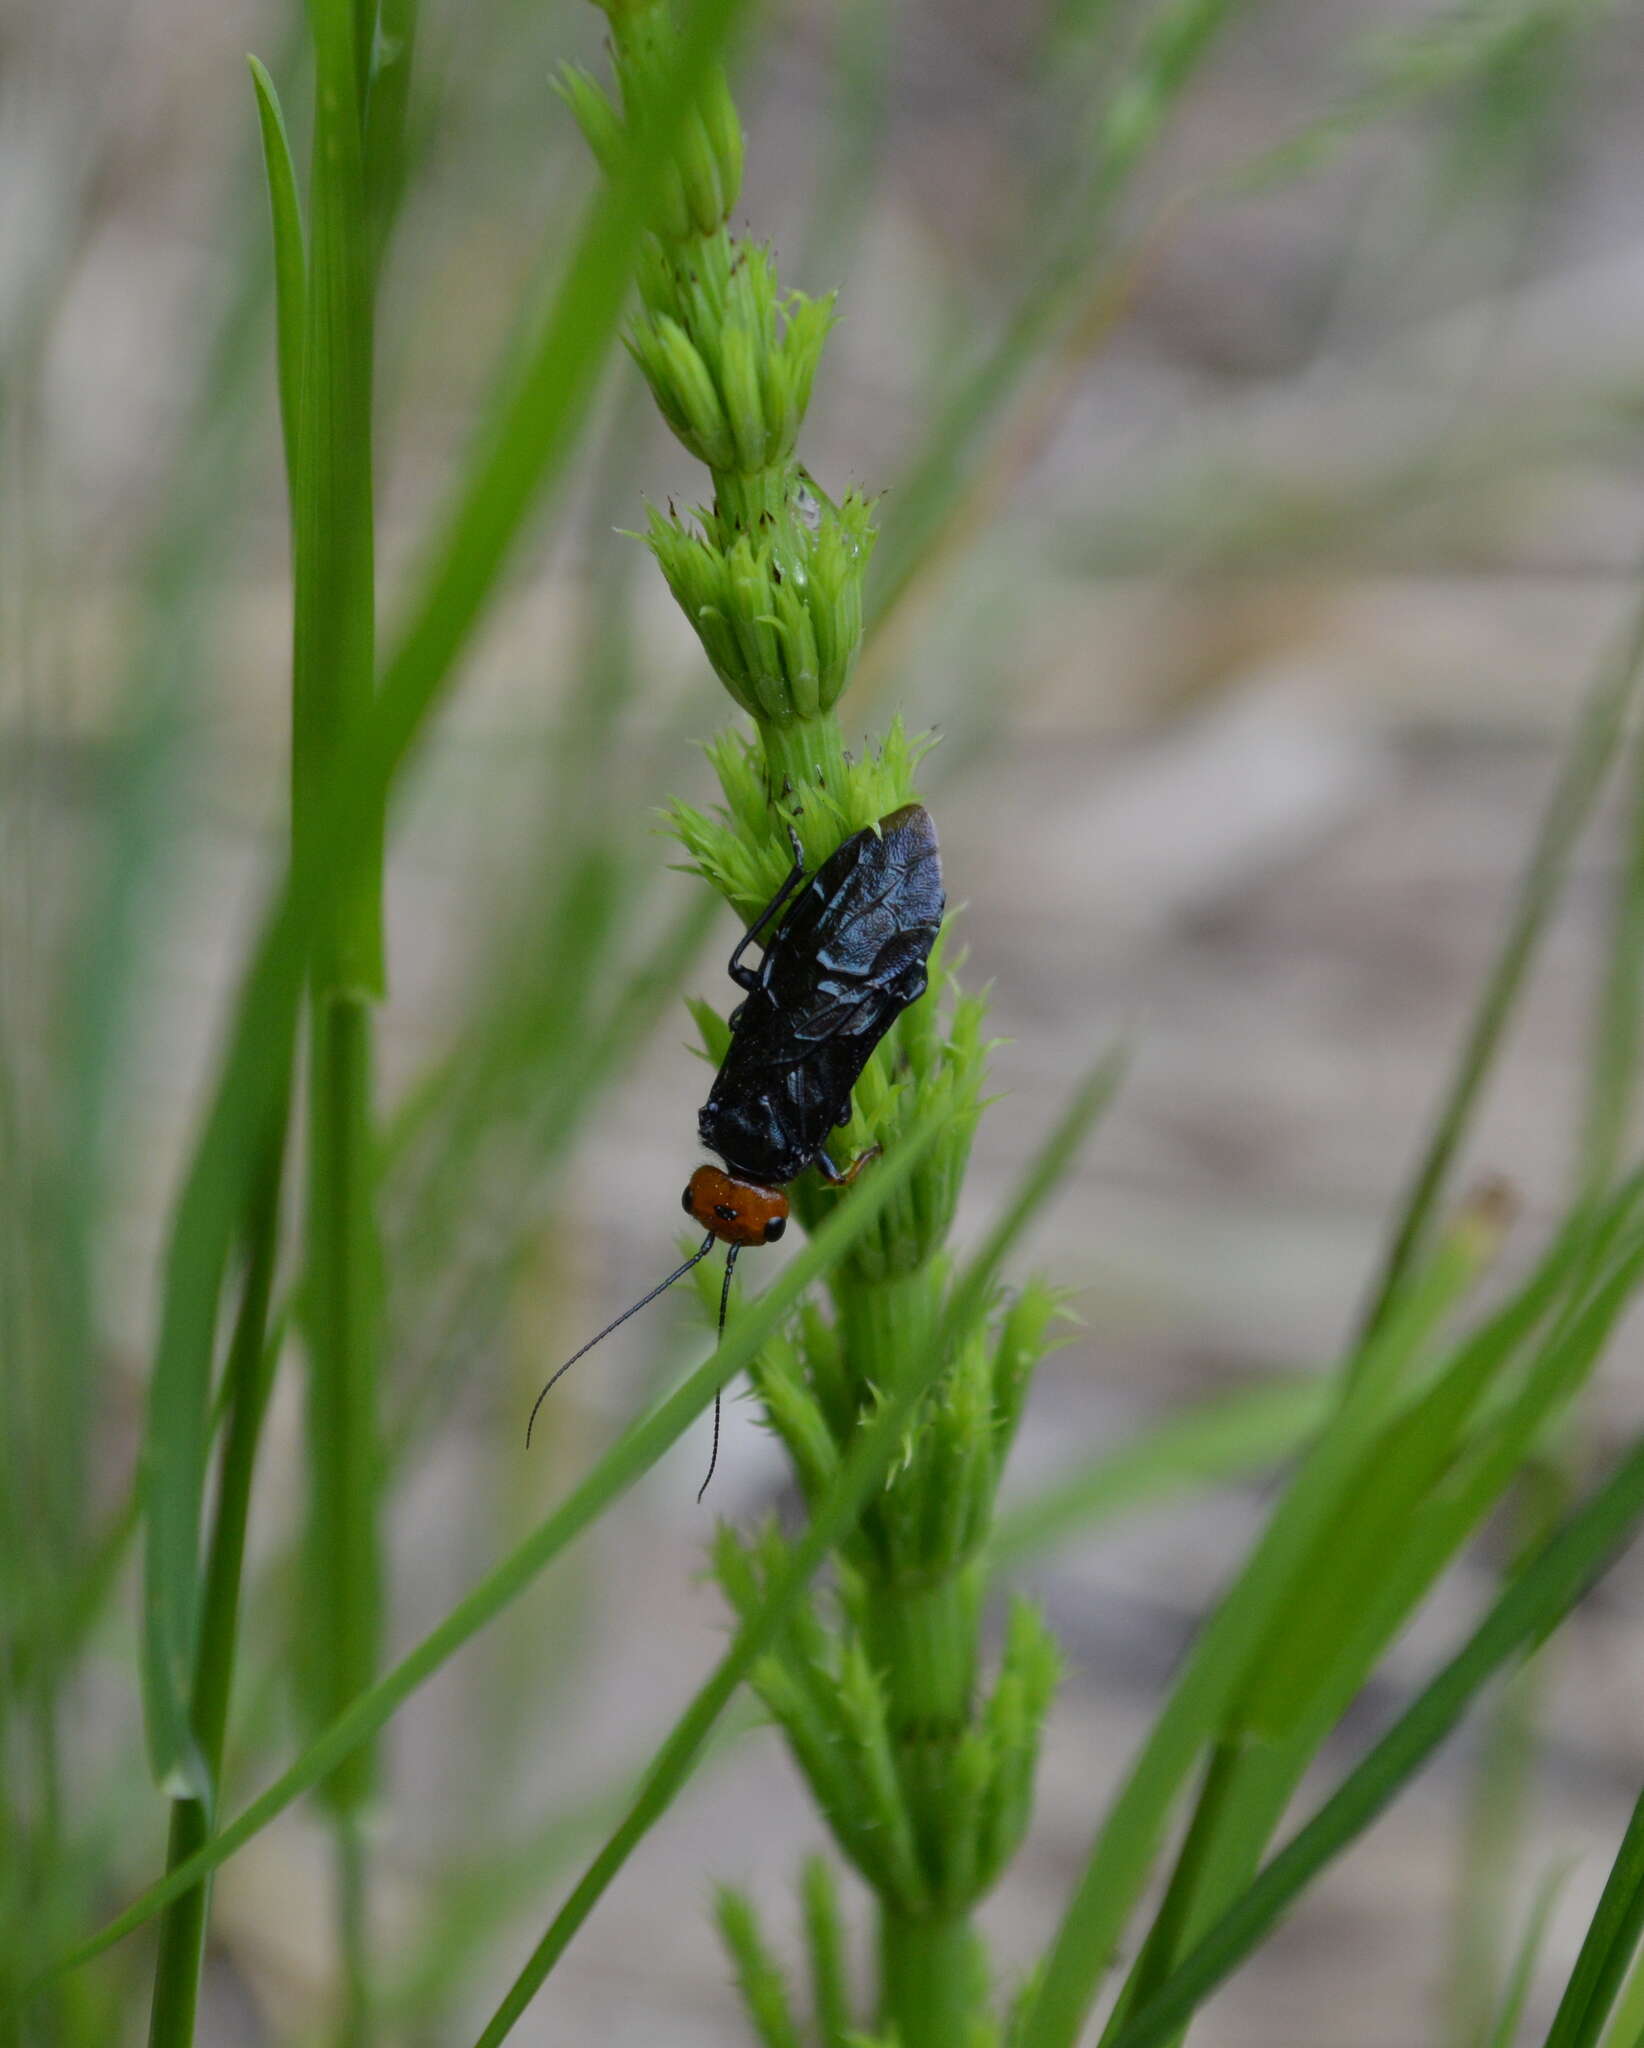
(290, 256)
(470, 1906)
(1480, 1479)
(932, 497)
(1531, 1607)
(1613, 1065)
(1130, 1836)
(533, 432)
(1216, 1441)
(1516, 1994)
(870, 1456)
(333, 664)
(628, 1460)
(1318, 1658)
(1608, 1948)
(333, 548)
(393, 47)
(182, 1932)
(1627, 2027)
(1588, 756)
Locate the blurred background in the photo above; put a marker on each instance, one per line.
(1252, 623)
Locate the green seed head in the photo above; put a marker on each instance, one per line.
(759, 349)
(695, 195)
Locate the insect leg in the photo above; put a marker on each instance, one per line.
(842, 1176)
(745, 977)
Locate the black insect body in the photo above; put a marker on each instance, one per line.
(847, 959)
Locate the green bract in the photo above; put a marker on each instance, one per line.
(728, 360)
(777, 605)
(703, 180)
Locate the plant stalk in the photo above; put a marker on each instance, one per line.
(928, 1979)
(182, 1930)
(801, 752)
(332, 691)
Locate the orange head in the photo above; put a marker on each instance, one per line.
(738, 1211)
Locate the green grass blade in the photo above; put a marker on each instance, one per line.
(1613, 1065)
(1530, 1608)
(333, 548)
(872, 1452)
(387, 99)
(1088, 1105)
(290, 256)
(1592, 748)
(537, 1081)
(1516, 1994)
(527, 448)
(1131, 1834)
(1452, 50)
(472, 1904)
(1218, 1440)
(247, 1385)
(333, 670)
(1481, 1478)
(1627, 2027)
(183, 556)
(1608, 1948)
(628, 1460)
(1179, 36)
(340, 1625)
(1420, 1492)
(1398, 1472)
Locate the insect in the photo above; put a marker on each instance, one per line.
(845, 961)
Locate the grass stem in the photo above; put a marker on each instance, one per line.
(182, 1930)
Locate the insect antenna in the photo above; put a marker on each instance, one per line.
(724, 1303)
(661, 1288)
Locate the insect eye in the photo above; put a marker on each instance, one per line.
(685, 1201)
(775, 1228)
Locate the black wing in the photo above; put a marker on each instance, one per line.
(848, 958)
(868, 917)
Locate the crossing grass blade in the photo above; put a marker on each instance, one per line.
(334, 612)
(1215, 1442)
(1619, 1019)
(1609, 1946)
(1592, 747)
(183, 1929)
(1516, 1992)
(527, 1070)
(290, 254)
(1424, 1486)
(151, 750)
(628, 1460)
(1533, 1605)
(393, 46)
(1626, 2027)
(469, 1909)
(871, 1454)
(534, 427)
(1130, 1836)
(932, 496)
